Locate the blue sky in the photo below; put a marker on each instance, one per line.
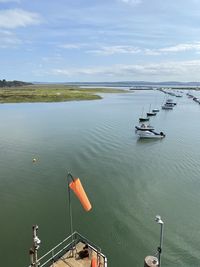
(100, 40)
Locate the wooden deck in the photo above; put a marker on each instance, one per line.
(67, 260)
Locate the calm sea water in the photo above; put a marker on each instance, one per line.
(128, 181)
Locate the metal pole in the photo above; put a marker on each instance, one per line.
(33, 251)
(161, 242)
(70, 211)
(159, 221)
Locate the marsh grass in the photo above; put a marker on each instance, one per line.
(50, 93)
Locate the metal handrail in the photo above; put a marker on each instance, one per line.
(62, 246)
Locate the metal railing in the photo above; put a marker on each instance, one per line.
(67, 244)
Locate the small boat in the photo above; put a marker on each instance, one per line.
(170, 102)
(196, 99)
(179, 95)
(151, 113)
(144, 127)
(155, 110)
(167, 107)
(141, 119)
(150, 135)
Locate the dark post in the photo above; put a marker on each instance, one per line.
(33, 251)
(159, 221)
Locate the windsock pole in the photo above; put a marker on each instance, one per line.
(70, 210)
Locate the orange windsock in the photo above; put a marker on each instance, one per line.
(79, 191)
(94, 262)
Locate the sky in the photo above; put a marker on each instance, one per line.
(100, 40)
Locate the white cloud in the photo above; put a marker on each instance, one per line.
(174, 49)
(132, 2)
(117, 49)
(151, 52)
(7, 1)
(13, 18)
(127, 49)
(56, 58)
(181, 47)
(8, 39)
(70, 46)
(164, 70)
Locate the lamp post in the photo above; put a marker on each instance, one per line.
(34, 250)
(159, 221)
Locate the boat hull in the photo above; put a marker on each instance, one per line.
(143, 119)
(150, 135)
(151, 114)
(167, 107)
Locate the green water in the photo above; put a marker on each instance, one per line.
(128, 181)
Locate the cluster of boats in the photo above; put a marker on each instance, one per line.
(168, 91)
(146, 130)
(169, 104)
(195, 99)
(148, 114)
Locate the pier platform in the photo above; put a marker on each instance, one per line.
(72, 259)
(73, 251)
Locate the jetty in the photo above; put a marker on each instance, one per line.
(74, 251)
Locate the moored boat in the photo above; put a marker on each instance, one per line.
(150, 135)
(167, 107)
(151, 114)
(141, 119)
(155, 110)
(144, 127)
(170, 102)
(179, 95)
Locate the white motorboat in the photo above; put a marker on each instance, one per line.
(144, 127)
(167, 107)
(150, 134)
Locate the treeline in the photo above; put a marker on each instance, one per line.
(4, 83)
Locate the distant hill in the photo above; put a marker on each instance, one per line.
(126, 83)
(4, 83)
(135, 83)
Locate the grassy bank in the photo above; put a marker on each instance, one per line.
(50, 93)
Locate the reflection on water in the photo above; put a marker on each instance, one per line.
(128, 180)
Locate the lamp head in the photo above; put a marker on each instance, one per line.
(158, 219)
